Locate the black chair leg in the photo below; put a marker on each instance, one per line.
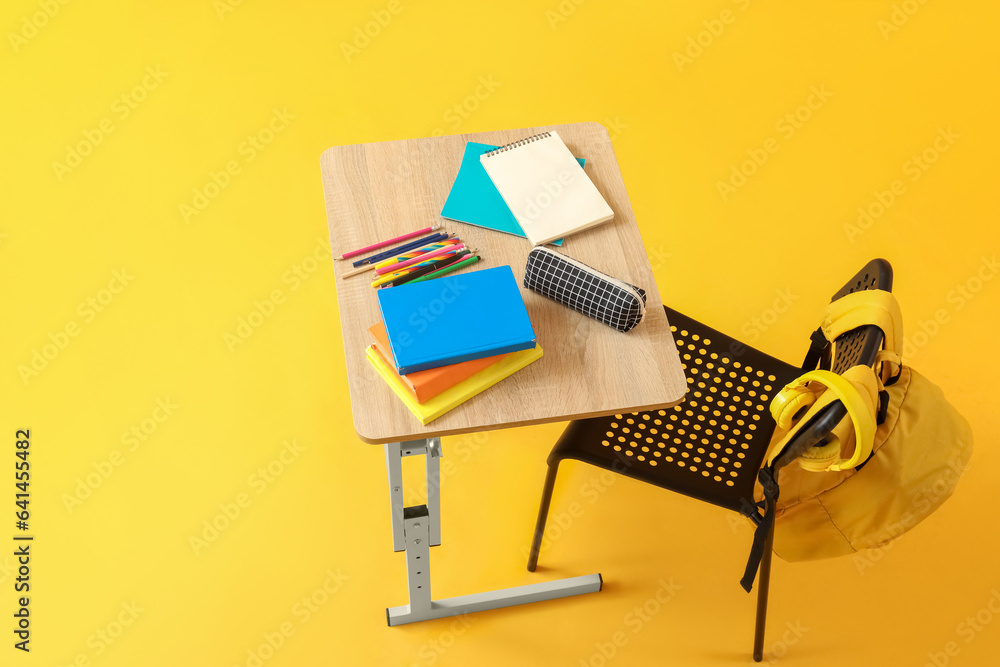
(763, 583)
(543, 513)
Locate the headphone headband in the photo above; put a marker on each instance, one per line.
(859, 411)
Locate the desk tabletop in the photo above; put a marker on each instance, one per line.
(380, 190)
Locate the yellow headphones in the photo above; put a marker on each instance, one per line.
(856, 389)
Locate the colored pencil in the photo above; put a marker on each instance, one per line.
(382, 244)
(378, 257)
(416, 260)
(448, 269)
(410, 254)
(406, 255)
(389, 277)
(430, 268)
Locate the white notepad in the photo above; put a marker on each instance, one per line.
(545, 188)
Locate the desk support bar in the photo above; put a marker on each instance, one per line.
(416, 529)
(394, 453)
(418, 570)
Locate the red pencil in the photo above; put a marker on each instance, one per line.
(382, 244)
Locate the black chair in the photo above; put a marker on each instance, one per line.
(712, 445)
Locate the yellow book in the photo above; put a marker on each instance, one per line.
(461, 392)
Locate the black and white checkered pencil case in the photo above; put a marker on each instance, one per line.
(585, 290)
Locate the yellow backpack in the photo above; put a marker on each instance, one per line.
(880, 469)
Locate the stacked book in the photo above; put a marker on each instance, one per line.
(443, 341)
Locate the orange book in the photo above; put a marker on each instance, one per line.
(425, 385)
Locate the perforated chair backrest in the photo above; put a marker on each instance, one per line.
(856, 347)
(860, 346)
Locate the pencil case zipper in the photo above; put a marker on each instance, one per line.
(614, 281)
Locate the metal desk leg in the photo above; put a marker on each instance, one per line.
(416, 529)
(394, 464)
(394, 453)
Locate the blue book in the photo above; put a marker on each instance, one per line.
(474, 199)
(455, 318)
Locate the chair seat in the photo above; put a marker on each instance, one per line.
(711, 445)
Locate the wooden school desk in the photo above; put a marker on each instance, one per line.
(380, 190)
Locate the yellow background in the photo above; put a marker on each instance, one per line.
(896, 74)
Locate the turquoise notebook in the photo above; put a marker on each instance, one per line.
(474, 199)
(455, 318)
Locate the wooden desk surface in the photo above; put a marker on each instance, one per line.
(380, 190)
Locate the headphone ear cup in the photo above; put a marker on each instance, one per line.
(819, 459)
(788, 402)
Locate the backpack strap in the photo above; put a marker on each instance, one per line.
(817, 345)
(859, 388)
(867, 307)
(768, 481)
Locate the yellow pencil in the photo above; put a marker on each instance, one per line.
(389, 277)
(416, 253)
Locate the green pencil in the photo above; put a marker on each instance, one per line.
(447, 269)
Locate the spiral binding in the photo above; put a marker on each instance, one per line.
(516, 144)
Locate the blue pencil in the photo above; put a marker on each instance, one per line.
(401, 249)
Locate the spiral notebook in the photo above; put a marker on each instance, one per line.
(545, 188)
(474, 200)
